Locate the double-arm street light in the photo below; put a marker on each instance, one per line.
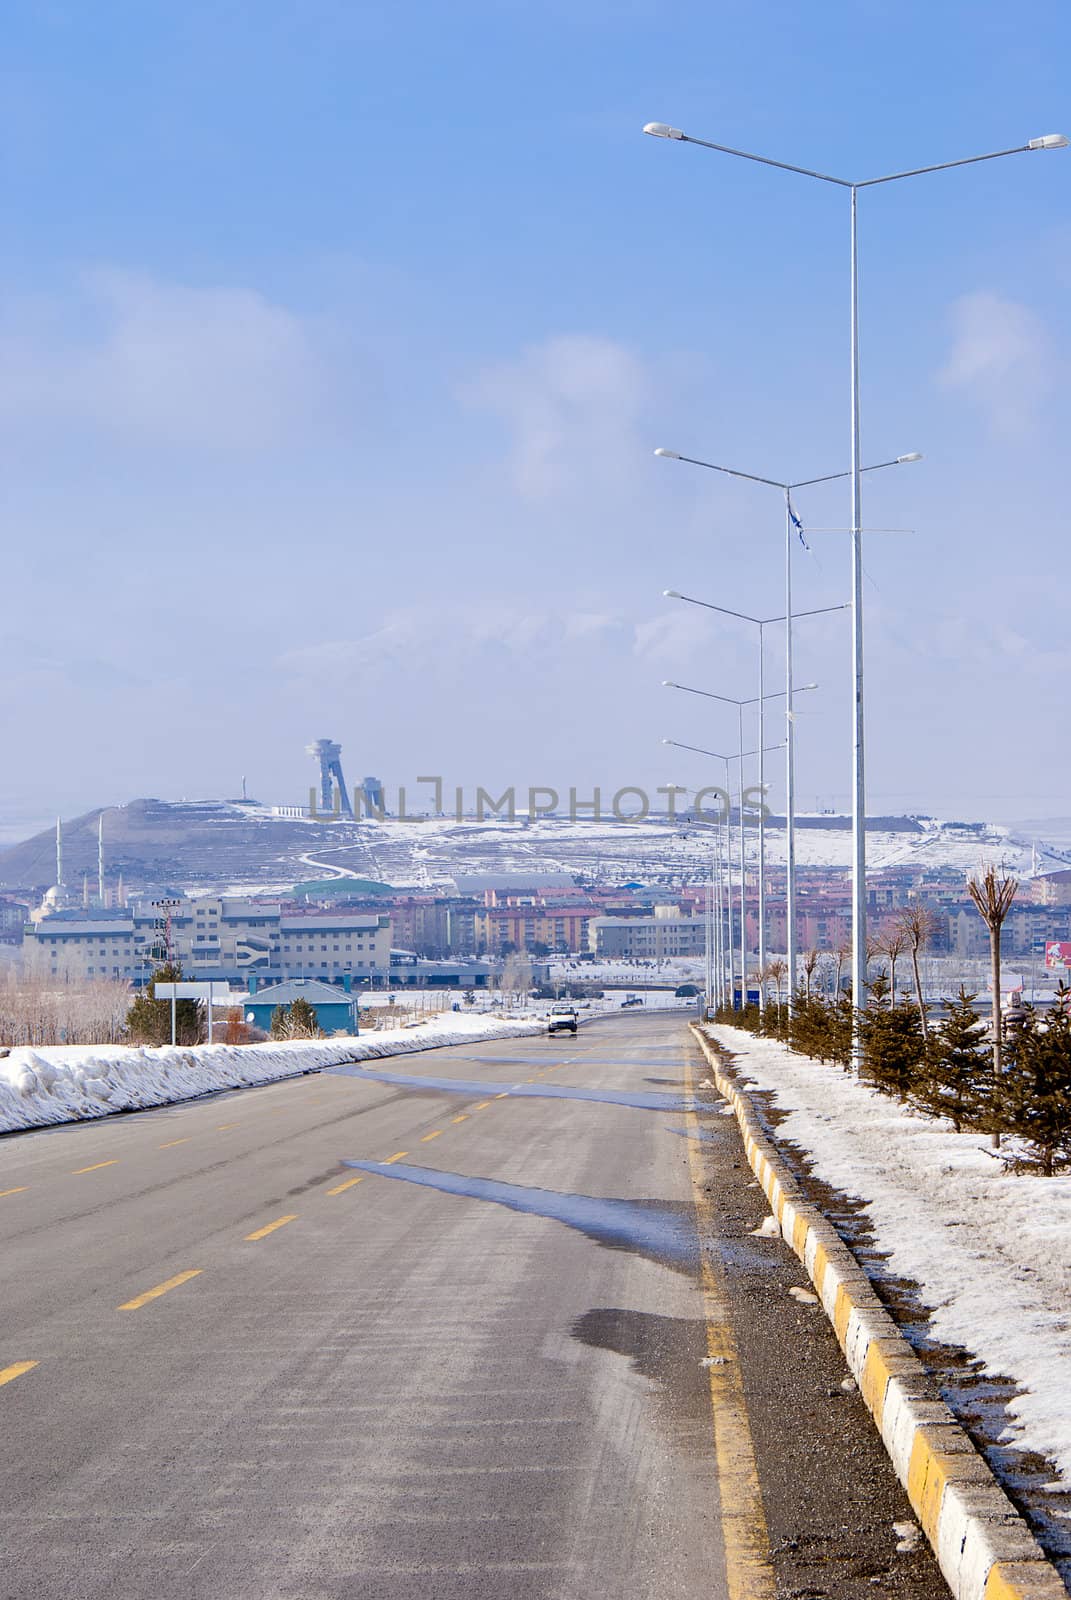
(792, 524)
(1048, 141)
(722, 856)
(752, 700)
(762, 623)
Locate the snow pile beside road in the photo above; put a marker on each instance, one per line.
(67, 1083)
(991, 1252)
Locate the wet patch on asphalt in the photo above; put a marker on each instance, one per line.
(658, 1230)
(638, 1100)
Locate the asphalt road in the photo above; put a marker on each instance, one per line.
(489, 1361)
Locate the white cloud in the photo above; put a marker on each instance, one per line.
(162, 362)
(571, 405)
(999, 357)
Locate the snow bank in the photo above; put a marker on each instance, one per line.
(990, 1251)
(67, 1083)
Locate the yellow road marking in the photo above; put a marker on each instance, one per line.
(95, 1167)
(171, 1143)
(280, 1222)
(435, 1134)
(481, 1105)
(397, 1156)
(748, 1570)
(503, 1096)
(161, 1288)
(16, 1370)
(20, 1190)
(464, 1117)
(225, 1127)
(349, 1183)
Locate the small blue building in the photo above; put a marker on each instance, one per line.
(336, 1011)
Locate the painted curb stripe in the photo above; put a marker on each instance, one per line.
(984, 1548)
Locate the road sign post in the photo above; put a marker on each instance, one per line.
(189, 991)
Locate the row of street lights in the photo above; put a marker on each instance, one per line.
(661, 130)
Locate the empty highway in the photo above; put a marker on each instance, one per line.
(369, 1334)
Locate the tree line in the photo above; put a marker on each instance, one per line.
(1008, 1079)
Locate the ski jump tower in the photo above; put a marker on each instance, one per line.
(329, 755)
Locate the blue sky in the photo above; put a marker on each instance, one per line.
(337, 339)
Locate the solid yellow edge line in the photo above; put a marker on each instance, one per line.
(161, 1288)
(17, 1368)
(95, 1167)
(349, 1183)
(280, 1222)
(748, 1570)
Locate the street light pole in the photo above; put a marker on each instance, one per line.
(740, 704)
(724, 843)
(791, 523)
(1048, 141)
(790, 875)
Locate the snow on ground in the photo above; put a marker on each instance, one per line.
(67, 1083)
(991, 1252)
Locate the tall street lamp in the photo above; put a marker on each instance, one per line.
(1048, 141)
(792, 522)
(709, 694)
(762, 623)
(724, 855)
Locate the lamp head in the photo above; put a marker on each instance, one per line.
(666, 684)
(670, 455)
(914, 455)
(662, 130)
(1048, 141)
(672, 594)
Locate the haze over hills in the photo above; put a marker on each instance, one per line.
(229, 845)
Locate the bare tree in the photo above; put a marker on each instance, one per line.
(778, 971)
(993, 894)
(892, 944)
(810, 967)
(919, 927)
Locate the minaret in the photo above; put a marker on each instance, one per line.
(100, 858)
(59, 855)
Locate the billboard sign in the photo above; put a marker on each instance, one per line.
(1058, 956)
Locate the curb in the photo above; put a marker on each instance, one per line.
(983, 1546)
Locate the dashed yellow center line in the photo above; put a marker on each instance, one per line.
(16, 1369)
(161, 1288)
(464, 1117)
(397, 1156)
(436, 1133)
(171, 1143)
(20, 1190)
(114, 1162)
(280, 1222)
(225, 1127)
(349, 1183)
(503, 1096)
(482, 1105)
